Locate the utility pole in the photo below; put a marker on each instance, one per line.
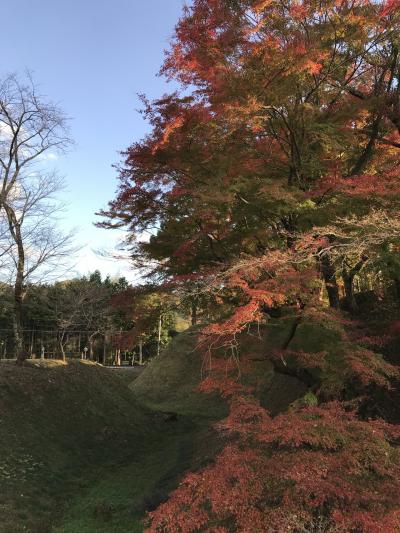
(140, 352)
(159, 335)
(104, 350)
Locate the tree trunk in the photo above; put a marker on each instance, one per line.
(194, 311)
(396, 282)
(32, 355)
(350, 301)
(289, 223)
(329, 277)
(19, 289)
(19, 294)
(62, 351)
(104, 351)
(62, 344)
(348, 276)
(368, 151)
(17, 327)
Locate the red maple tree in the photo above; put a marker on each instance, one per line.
(259, 181)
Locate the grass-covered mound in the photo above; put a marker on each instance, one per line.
(172, 380)
(60, 426)
(332, 356)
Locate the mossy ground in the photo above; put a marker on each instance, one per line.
(81, 453)
(117, 500)
(60, 427)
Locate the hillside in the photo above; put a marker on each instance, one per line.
(170, 382)
(83, 452)
(294, 369)
(61, 425)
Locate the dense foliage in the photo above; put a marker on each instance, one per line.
(271, 184)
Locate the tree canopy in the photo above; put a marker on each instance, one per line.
(271, 180)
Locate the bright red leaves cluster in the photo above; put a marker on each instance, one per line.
(310, 468)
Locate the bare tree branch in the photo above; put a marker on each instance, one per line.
(31, 245)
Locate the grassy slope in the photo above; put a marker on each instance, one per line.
(117, 502)
(89, 455)
(170, 381)
(168, 385)
(58, 424)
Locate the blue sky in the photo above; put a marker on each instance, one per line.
(92, 57)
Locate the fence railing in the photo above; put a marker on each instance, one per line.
(58, 344)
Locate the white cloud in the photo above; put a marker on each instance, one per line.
(88, 261)
(50, 156)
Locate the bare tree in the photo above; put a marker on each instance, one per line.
(31, 131)
(83, 304)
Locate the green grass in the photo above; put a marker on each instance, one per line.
(170, 382)
(81, 453)
(59, 424)
(128, 376)
(117, 502)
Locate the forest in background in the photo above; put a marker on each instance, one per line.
(104, 320)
